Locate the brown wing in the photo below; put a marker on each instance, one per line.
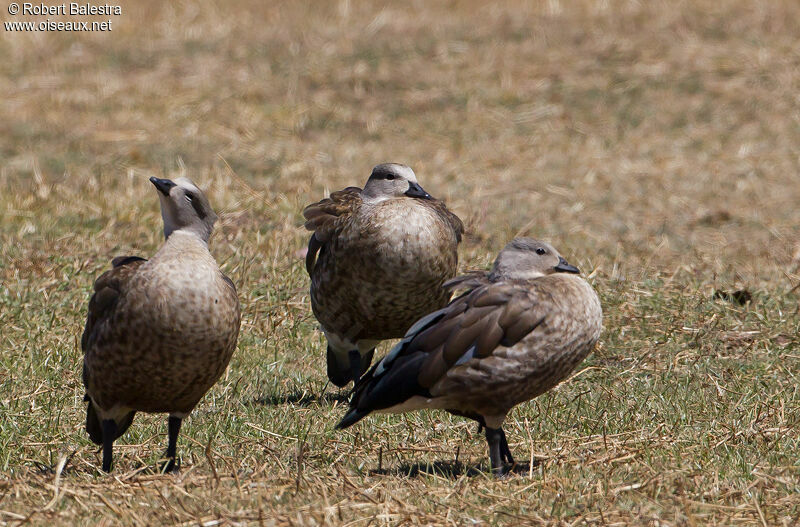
(473, 325)
(325, 218)
(454, 221)
(470, 280)
(107, 290)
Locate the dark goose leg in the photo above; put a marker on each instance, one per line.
(355, 365)
(337, 374)
(109, 434)
(505, 452)
(494, 438)
(174, 426)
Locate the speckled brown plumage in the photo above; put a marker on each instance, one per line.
(513, 335)
(156, 339)
(159, 333)
(378, 264)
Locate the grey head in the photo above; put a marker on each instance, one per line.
(526, 258)
(184, 208)
(392, 180)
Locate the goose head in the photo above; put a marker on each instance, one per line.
(184, 208)
(392, 180)
(526, 258)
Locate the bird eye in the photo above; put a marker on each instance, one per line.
(189, 198)
(541, 250)
(390, 176)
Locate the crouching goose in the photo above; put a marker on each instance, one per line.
(159, 333)
(377, 259)
(514, 334)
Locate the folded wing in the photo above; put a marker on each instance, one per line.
(473, 326)
(107, 290)
(326, 218)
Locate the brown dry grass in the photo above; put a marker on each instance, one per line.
(655, 143)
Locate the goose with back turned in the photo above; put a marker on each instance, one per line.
(515, 333)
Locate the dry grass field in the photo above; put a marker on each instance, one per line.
(655, 144)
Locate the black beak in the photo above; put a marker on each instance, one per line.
(564, 267)
(415, 191)
(163, 185)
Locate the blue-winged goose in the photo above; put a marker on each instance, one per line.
(159, 333)
(515, 333)
(377, 259)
